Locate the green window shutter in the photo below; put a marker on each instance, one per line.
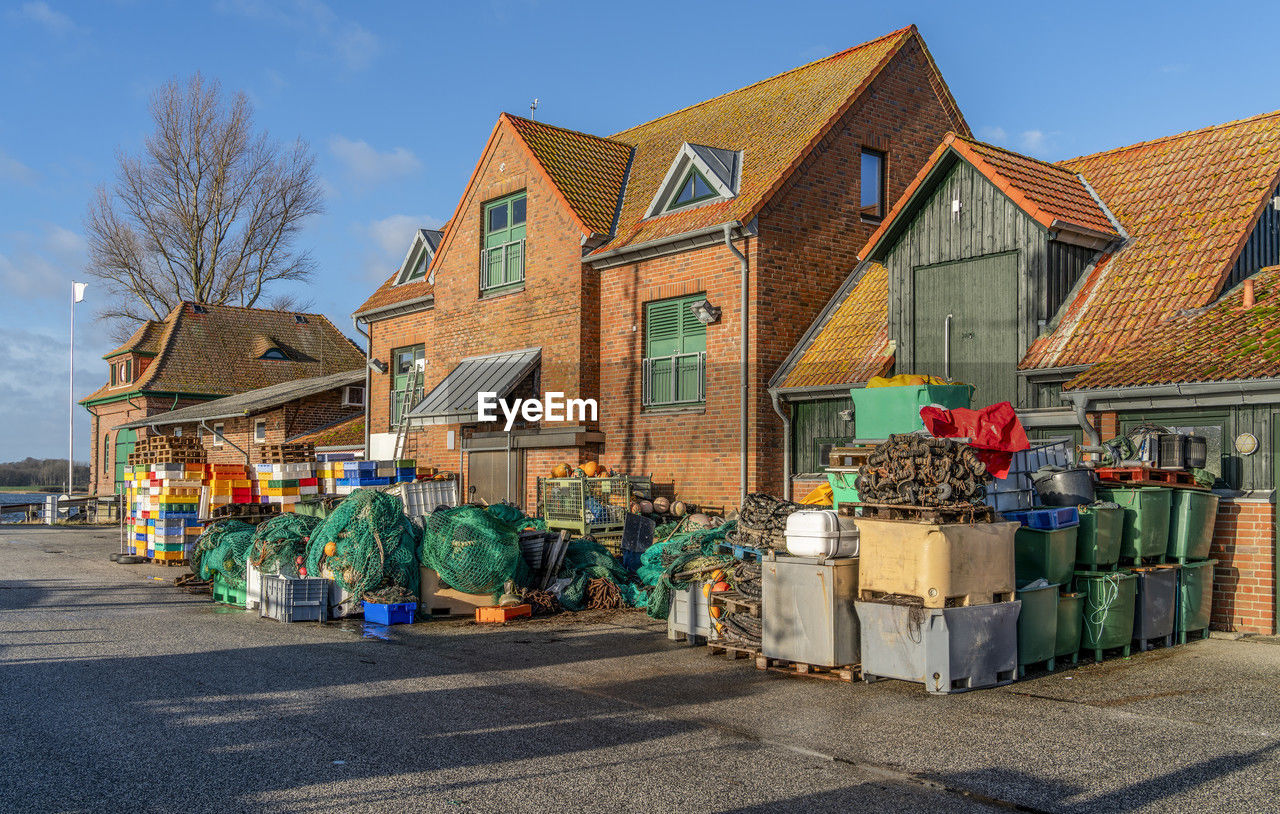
(675, 341)
(504, 234)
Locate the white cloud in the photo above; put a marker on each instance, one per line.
(320, 28)
(40, 13)
(391, 237)
(995, 135)
(1028, 141)
(367, 167)
(11, 169)
(1032, 140)
(41, 266)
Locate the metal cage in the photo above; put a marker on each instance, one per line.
(586, 505)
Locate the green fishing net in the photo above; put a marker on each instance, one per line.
(585, 560)
(515, 518)
(473, 550)
(375, 546)
(279, 542)
(661, 561)
(222, 549)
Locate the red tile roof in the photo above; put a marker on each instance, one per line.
(216, 353)
(346, 433)
(1220, 343)
(1188, 202)
(145, 340)
(853, 344)
(587, 170)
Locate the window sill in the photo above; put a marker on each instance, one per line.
(871, 220)
(675, 409)
(495, 293)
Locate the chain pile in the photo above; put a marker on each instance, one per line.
(603, 594)
(916, 470)
(542, 603)
(762, 521)
(738, 627)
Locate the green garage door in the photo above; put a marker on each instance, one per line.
(981, 295)
(126, 440)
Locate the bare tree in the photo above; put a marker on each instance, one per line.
(208, 212)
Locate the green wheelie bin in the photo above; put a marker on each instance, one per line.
(1043, 554)
(1098, 537)
(1146, 519)
(1037, 627)
(1191, 523)
(1109, 598)
(1070, 620)
(1195, 599)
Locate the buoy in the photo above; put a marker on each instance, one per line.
(661, 505)
(679, 509)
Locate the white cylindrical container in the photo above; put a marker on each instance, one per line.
(821, 533)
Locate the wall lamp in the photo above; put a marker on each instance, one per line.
(706, 313)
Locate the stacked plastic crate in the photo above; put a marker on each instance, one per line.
(363, 474)
(230, 483)
(164, 505)
(327, 475)
(284, 485)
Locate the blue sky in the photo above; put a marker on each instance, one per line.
(396, 100)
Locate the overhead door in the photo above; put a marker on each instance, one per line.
(981, 296)
(496, 476)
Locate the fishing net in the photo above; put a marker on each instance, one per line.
(683, 552)
(222, 549)
(472, 550)
(375, 547)
(279, 542)
(585, 562)
(515, 518)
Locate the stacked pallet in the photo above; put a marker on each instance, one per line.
(164, 503)
(230, 483)
(287, 453)
(167, 449)
(284, 484)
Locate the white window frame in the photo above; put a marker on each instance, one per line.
(218, 431)
(260, 424)
(348, 401)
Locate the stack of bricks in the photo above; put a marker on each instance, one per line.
(230, 483)
(164, 504)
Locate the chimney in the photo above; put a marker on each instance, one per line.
(1248, 294)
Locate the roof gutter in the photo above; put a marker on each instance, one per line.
(395, 309)
(661, 245)
(368, 376)
(1239, 391)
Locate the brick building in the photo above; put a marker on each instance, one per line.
(1096, 294)
(198, 353)
(665, 271)
(234, 429)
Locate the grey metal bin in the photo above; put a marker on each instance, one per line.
(945, 649)
(689, 615)
(807, 610)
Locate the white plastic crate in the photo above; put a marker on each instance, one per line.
(422, 498)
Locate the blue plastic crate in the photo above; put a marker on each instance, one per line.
(399, 613)
(1047, 519)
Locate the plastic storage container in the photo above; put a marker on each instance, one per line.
(879, 412)
(1070, 621)
(1037, 627)
(225, 593)
(1146, 519)
(807, 610)
(1154, 605)
(1193, 516)
(945, 649)
(1016, 492)
(1098, 536)
(842, 488)
(396, 613)
(821, 533)
(1108, 610)
(1046, 519)
(689, 615)
(423, 497)
(294, 600)
(1195, 598)
(1048, 555)
(943, 565)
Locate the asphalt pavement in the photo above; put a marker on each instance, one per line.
(121, 692)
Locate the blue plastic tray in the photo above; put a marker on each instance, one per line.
(400, 613)
(1048, 519)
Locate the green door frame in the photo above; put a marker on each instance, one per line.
(1275, 517)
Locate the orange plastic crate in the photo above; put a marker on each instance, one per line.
(499, 615)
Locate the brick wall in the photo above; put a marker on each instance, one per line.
(103, 420)
(1244, 578)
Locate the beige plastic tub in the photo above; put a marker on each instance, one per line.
(946, 566)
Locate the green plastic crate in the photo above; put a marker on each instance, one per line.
(227, 594)
(842, 490)
(879, 412)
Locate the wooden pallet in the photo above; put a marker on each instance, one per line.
(1146, 476)
(847, 672)
(695, 639)
(735, 602)
(249, 512)
(143, 458)
(286, 453)
(733, 651)
(958, 601)
(850, 457)
(170, 563)
(937, 515)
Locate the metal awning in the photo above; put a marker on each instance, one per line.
(453, 401)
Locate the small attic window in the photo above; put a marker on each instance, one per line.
(300, 319)
(417, 263)
(199, 309)
(419, 271)
(275, 353)
(698, 175)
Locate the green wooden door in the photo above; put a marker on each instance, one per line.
(981, 295)
(126, 440)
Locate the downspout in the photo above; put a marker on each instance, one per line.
(786, 445)
(368, 375)
(1082, 418)
(742, 373)
(225, 440)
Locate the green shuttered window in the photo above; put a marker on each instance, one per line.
(675, 353)
(502, 263)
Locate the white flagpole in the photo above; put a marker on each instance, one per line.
(71, 400)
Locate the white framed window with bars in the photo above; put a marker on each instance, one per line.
(675, 354)
(502, 259)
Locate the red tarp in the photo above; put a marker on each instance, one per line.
(994, 431)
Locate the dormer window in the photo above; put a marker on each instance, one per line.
(417, 263)
(699, 175)
(274, 353)
(121, 372)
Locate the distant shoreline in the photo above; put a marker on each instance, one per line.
(45, 490)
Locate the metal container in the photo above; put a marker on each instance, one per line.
(950, 564)
(1068, 487)
(945, 649)
(1098, 536)
(1156, 598)
(1037, 626)
(807, 610)
(1172, 451)
(1045, 554)
(689, 614)
(1196, 451)
(1191, 524)
(1070, 623)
